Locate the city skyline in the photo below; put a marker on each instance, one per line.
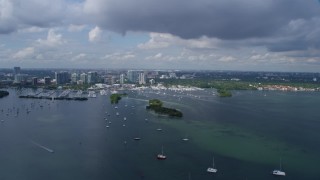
(242, 35)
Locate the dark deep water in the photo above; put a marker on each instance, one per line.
(247, 135)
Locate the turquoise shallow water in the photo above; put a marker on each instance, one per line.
(247, 135)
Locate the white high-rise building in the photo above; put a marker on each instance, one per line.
(74, 78)
(122, 77)
(142, 78)
(83, 78)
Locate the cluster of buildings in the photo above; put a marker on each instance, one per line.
(82, 77)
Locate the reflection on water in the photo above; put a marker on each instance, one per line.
(247, 135)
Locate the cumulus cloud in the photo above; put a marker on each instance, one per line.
(53, 39)
(120, 56)
(75, 28)
(24, 53)
(79, 57)
(155, 57)
(95, 34)
(164, 40)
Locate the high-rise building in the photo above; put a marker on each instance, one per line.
(122, 78)
(47, 80)
(16, 70)
(20, 78)
(84, 78)
(34, 81)
(62, 77)
(142, 78)
(133, 76)
(92, 77)
(74, 78)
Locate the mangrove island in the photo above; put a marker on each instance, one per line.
(156, 106)
(115, 98)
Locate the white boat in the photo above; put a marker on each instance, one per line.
(278, 172)
(92, 94)
(212, 169)
(161, 156)
(103, 92)
(186, 138)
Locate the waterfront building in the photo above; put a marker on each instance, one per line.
(133, 76)
(142, 78)
(62, 77)
(92, 77)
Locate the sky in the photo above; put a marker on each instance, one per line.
(244, 35)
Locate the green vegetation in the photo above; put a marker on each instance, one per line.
(224, 93)
(156, 106)
(3, 94)
(223, 86)
(115, 98)
(211, 83)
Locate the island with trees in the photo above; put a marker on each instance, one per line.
(115, 98)
(157, 106)
(3, 94)
(224, 93)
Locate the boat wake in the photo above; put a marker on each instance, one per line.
(43, 147)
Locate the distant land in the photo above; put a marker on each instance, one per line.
(223, 81)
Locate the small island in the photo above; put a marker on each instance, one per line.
(156, 106)
(224, 93)
(3, 94)
(115, 98)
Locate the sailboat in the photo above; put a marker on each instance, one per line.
(212, 169)
(161, 156)
(278, 172)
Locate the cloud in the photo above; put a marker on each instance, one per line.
(232, 19)
(95, 34)
(120, 56)
(164, 40)
(24, 53)
(157, 40)
(155, 57)
(53, 39)
(80, 56)
(75, 28)
(28, 13)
